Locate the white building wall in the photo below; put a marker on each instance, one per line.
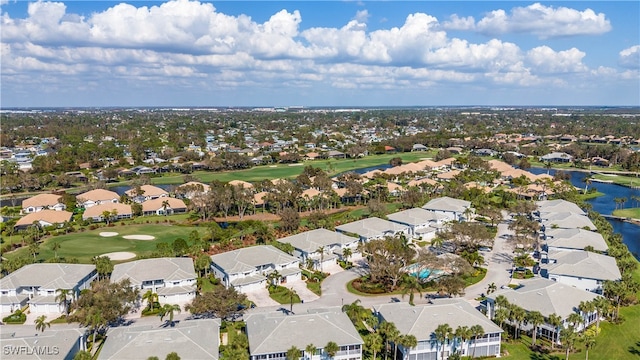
(580, 283)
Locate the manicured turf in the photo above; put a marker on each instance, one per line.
(619, 179)
(85, 245)
(628, 213)
(277, 171)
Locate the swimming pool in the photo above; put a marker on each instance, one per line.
(420, 273)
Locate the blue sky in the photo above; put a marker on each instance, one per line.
(319, 53)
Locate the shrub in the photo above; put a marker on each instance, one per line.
(17, 317)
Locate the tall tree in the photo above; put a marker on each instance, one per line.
(293, 353)
(373, 343)
(42, 323)
(476, 330)
(442, 335)
(556, 321)
(63, 299)
(535, 318)
(331, 349)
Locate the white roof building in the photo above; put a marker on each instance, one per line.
(373, 228)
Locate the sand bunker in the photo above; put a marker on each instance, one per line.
(139, 237)
(108, 234)
(121, 255)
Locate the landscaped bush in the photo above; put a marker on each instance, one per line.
(17, 317)
(363, 285)
(282, 295)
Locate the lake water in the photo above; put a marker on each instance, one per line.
(605, 205)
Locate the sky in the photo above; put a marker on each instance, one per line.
(319, 53)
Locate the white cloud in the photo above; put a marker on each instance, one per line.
(544, 21)
(459, 23)
(362, 16)
(630, 57)
(546, 60)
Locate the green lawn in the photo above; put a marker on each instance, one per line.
(85, 245)
(590, 195)
(628, 213)
(619, 179)
(277, 171)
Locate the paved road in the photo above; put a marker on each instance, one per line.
(499, 261)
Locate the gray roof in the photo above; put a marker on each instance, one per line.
(167, 269)
(566, 220)
(446, 203)
(422, 320)
(415, 216)
(276, 332)
(247, 259)
(559, 205)
(546, 296)
(583, 264)
(47, 276)
(310, 241)
(575, 239)
(372, 227)
(190, 339)
(40, 345)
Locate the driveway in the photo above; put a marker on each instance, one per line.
(499, 261)
(300, 287)
(261, 298)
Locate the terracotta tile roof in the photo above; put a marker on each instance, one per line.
(41, 200)
(49, 216)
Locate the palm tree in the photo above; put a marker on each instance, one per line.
(586, 307)
(463, 333)
(165, 205)
(293, 353)
(568, 339)
(354, 311)
(587, 182)
(476, 330)
(55, 247)
(442, 334)
(601, 304)
(309, 351)
(63, 299)
(390, 333)
(575, 319)
(535, 318)
(589, 342)
(555, 320)
(41, 323)
(346, 254)
(491, 288)
(411, 286)
(331, 349)
(168, 309)
(501, 315)
(373, 343)
(407, 342)
(518, 315)
(320, 249)
(152, 299)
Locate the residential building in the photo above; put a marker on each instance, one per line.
(453, 209)
(565, 220)
(548, 297)
(559, 157)
(117, 211)
(322, 246)
(373, 228)
(96, 197)
(147, 192)
(421, 321)
(22, 342)
(573, 239)
(163, 206)
(272, 334)
(248, 268)
(190, 339)
(173, 279)
(44, 218)
(193, 188)
(41, 202)
(37, 285)
(581, 269)
(422, 223)
(559, 206)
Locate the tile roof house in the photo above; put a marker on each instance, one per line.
(190, 339)
(53, 344)
(307, 246)
(41, 202)
(422, 320)
(157, 206)
(149, 192)
(173, 279)
(193, 188)
(421, 222)
(247, 269)
(36, 284)
(573, 239)
(548, 297)
(581, 269)
(95, 213)
(272, 334)
(97, 197)
(44, 218)
(453, 209)
(373, 228)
